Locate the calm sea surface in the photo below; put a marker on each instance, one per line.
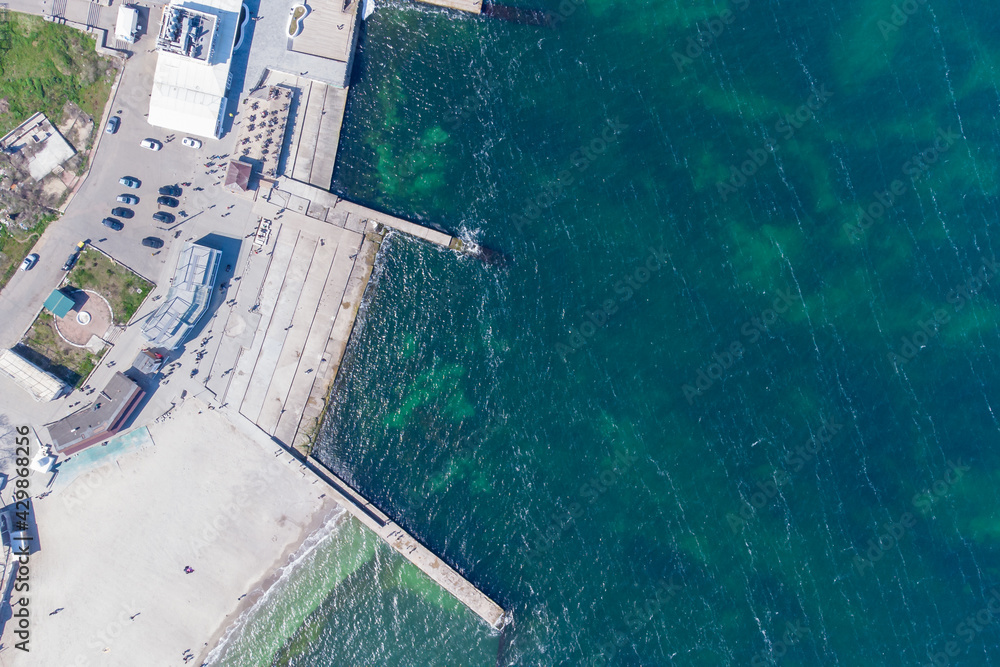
(698, 409)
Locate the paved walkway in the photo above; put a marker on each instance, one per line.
(274, 332)
(100, 318)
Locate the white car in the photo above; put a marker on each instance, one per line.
(151, 144)
(29, 261)
(191, 143)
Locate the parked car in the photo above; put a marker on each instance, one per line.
(152, 242)
(111, 223)
(191, 143)
(71, 260)
(128, 199)
(122, 212)
(29, 261)
(171, 190)
(151, 144)
(130, 182)
(112, 125)
(167, 201)
(164, 217)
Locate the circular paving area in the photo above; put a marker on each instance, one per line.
(91, 316)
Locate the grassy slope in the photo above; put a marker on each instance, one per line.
(47, 66)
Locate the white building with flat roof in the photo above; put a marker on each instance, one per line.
(187, 299)
(195, 50)
(37, 145)
(128, 24)
(41, 385)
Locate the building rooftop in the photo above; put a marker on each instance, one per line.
(188, 297)
(59, 304)
(187, 32)
(323, 50)
(147, 362)
(41, 385)
(38, 145)
(238, 175)
(98, 421)
(195, 46)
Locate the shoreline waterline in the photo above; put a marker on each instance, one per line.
(315, 535)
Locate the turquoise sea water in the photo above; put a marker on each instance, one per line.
(687, 417)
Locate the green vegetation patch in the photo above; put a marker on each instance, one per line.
(15, 245)
(43, 346)
(47, 66)
(124, 289)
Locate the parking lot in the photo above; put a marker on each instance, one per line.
(199, 211)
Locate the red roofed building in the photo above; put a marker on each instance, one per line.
(238, 176)
(100, 420)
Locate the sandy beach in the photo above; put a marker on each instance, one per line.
(117, 534)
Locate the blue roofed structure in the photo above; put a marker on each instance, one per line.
(59, 304)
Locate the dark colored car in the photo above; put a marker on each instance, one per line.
(152, 242)
(111, 223)
(130, 182)
(122, 212)
(70, 261)
(164, 217)
(112, 125)
(167, 201)
(128, 199)
(171, 190)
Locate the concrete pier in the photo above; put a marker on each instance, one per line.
(323, 205)
(442, 573)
